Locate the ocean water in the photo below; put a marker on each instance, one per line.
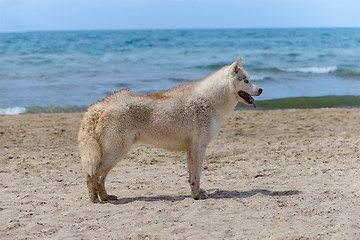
(67, 71)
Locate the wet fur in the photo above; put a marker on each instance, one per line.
(184, 118)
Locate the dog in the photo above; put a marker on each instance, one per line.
(184, 118)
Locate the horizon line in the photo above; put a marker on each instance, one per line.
(177, 29)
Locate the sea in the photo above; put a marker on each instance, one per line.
(66, 71)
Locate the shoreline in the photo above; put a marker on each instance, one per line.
(275, 173)
(330, 101)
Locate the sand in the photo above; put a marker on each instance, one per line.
(291, 174)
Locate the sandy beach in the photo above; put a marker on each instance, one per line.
(289, 174)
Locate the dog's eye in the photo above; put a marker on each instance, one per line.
(246, 81)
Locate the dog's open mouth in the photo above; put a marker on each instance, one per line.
(248, 99)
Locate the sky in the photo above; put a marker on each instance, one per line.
(58, 15)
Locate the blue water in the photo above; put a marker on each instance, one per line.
(70, 70)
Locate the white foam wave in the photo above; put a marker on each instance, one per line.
(327, 69)
(12, 110)
(259, 77)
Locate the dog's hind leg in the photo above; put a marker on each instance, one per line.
(103, 172)
(101, 188)
(195, 160)
(91, 184)
(109, 162)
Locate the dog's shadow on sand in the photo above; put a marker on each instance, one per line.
(212, 194)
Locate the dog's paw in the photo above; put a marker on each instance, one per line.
(94, 200)
(200, 195)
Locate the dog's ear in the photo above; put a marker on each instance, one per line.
(240, 61)
(236, 65)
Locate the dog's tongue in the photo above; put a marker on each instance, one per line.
(253, 103)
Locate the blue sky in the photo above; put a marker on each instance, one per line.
(39, 15)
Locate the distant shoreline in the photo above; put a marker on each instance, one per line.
(272, 104)
(175, 29)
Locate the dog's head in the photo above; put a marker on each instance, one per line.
(242, 87)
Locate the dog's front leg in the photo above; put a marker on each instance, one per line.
(196, 158)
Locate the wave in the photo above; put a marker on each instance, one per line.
(284, 103)
(175, 79)
(313, 70)
(12, 110)
(38, 109)
(327, 69)
(213, 66)
(260, 77)
(56, 109)
(350, 75)
(253, 77)
(135, 40)
(307, 102)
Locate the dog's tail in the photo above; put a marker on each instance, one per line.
(90, 152)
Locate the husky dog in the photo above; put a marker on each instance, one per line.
(184, 118)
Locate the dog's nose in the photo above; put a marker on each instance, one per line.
(260, 90)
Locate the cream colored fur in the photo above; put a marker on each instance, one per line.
(185, 118)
